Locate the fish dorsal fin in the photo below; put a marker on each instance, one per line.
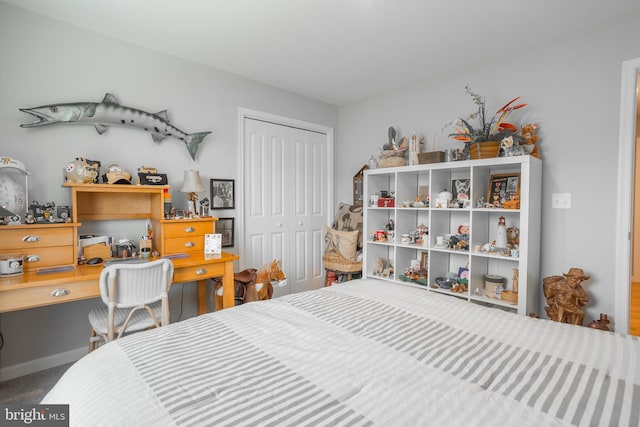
(163, 115)
(110, 99)
(101, 129)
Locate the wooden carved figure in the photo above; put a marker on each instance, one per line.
(566, 297)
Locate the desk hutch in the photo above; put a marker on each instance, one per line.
(56, 245)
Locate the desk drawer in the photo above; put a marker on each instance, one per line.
(19, 299)
(35, 238)
(38, 257)
(197, 272)
(184, 244)
(183, 229)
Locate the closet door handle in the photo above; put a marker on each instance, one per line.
(300, 223)
(31, 238)
(279, 224)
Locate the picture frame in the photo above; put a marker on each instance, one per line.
(225, 227)
(461, 188)
(223, 193)
(424, 260)
(504, 191)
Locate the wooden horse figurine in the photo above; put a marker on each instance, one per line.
(253, 285)
(268, 276)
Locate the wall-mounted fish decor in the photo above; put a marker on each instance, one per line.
(110, 113)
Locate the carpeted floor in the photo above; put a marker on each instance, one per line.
(31, 388)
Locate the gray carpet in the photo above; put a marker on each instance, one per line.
(31, 388)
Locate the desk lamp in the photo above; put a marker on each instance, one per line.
(4, 213)
(192, 185)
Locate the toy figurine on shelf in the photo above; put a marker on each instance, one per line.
(513, 237)
(501, 235)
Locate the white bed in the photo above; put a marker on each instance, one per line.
(361, 353)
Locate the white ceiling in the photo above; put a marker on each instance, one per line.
(337, 51)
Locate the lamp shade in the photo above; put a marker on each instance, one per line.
(191, 182)
(5, 212)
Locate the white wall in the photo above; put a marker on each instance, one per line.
(572, 87)
(43, 62)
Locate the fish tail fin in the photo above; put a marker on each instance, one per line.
(193, 140)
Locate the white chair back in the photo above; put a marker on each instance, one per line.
(129, 285)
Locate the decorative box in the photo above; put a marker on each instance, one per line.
(431, 157)
(386, 202)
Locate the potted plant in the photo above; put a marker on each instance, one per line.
(483, 141)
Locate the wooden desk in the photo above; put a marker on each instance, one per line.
(36, 290)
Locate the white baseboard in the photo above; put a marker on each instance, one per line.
(26, 368)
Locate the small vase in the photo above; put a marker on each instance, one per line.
(484, 150)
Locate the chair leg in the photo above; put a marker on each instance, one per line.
(93, 340)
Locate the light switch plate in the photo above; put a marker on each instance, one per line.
(561, 200)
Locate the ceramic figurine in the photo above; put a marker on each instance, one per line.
(501, 235)
(414, 149)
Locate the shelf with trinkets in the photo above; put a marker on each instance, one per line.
(472, 220)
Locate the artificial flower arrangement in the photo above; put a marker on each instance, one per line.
(489, 129)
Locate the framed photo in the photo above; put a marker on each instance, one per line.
(212, 243)
(224, 226)
(504, 191)
(461, 189)
(223, 194)
(424, 260)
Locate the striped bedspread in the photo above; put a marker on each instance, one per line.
(362, 353)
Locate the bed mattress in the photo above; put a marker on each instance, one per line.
(362, 353)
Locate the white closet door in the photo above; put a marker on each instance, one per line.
(309, 208)
(285, 201)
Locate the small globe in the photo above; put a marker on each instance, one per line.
(13, 194)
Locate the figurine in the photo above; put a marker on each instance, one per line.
(529, 137)
(379, 267)
(501, 235)
(513, 237)
(390, 225)
(414, 149)
(566, 296)
(600, 323)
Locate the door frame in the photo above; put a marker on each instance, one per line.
(626, 165)
(246, 113)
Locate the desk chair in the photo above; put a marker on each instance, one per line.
(135, 297)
